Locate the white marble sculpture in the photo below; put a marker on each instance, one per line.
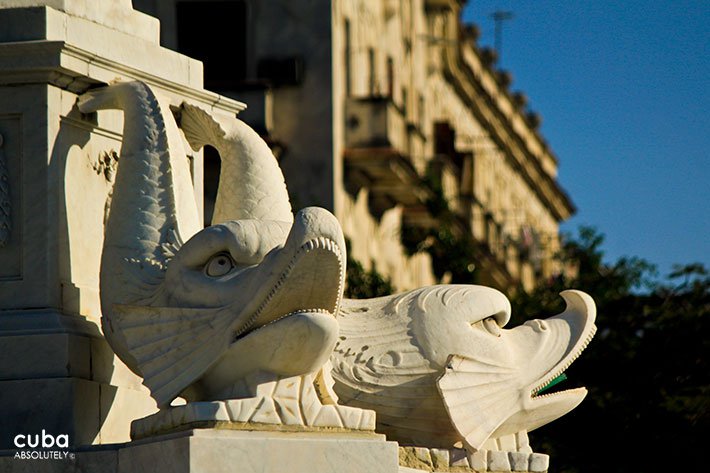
(440, 370)
(237, 318)
(245, 318)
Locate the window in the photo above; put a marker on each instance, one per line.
(205, 29)
(373, 72)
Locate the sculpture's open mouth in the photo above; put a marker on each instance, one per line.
(311, 282)
(552, 345)
(556, 374)
(569, 334)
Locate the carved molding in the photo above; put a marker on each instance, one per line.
(106, 165)
(291, 403)
(34, 62)
(463, 461)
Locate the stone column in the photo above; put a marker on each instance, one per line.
(56, 173)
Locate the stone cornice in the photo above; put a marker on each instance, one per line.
(501, 100)
(508, 135)
(75, 69)
(114, 14)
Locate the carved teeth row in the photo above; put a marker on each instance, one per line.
(570, 360)
(304, 311)
(320, 242)
(327, 244)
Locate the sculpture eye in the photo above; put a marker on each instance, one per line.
(219, 265)
(491, 326)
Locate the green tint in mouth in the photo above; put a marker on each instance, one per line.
(557, 380)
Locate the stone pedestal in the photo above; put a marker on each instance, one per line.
(217, 451)
(224, 451)
(56, 174)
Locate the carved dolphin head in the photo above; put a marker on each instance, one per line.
(504, 370)
(176, 298)
(261, 269)
(439, 368)
(225, 282)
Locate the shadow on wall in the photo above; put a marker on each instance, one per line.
(78, 169)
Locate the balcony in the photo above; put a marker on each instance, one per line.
(377, 155)
(375, 122)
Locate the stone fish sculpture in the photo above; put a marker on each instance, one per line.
(237, 318)
(440, 370)
(241, 318)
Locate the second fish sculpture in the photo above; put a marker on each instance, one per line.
(440, 369)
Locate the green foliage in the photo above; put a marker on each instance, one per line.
(449, 244)
(363, 284)
(648, 407)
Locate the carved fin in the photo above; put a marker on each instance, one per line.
(172, 346)
(478, 397)
(171, 246)
(251, 184)
(199, 127)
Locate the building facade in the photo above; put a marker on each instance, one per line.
(384, 111)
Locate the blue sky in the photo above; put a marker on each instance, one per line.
(622, 88)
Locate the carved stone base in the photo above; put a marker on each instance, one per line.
(287, 404)
(421, 459)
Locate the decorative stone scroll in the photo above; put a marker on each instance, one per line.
(106, 164)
